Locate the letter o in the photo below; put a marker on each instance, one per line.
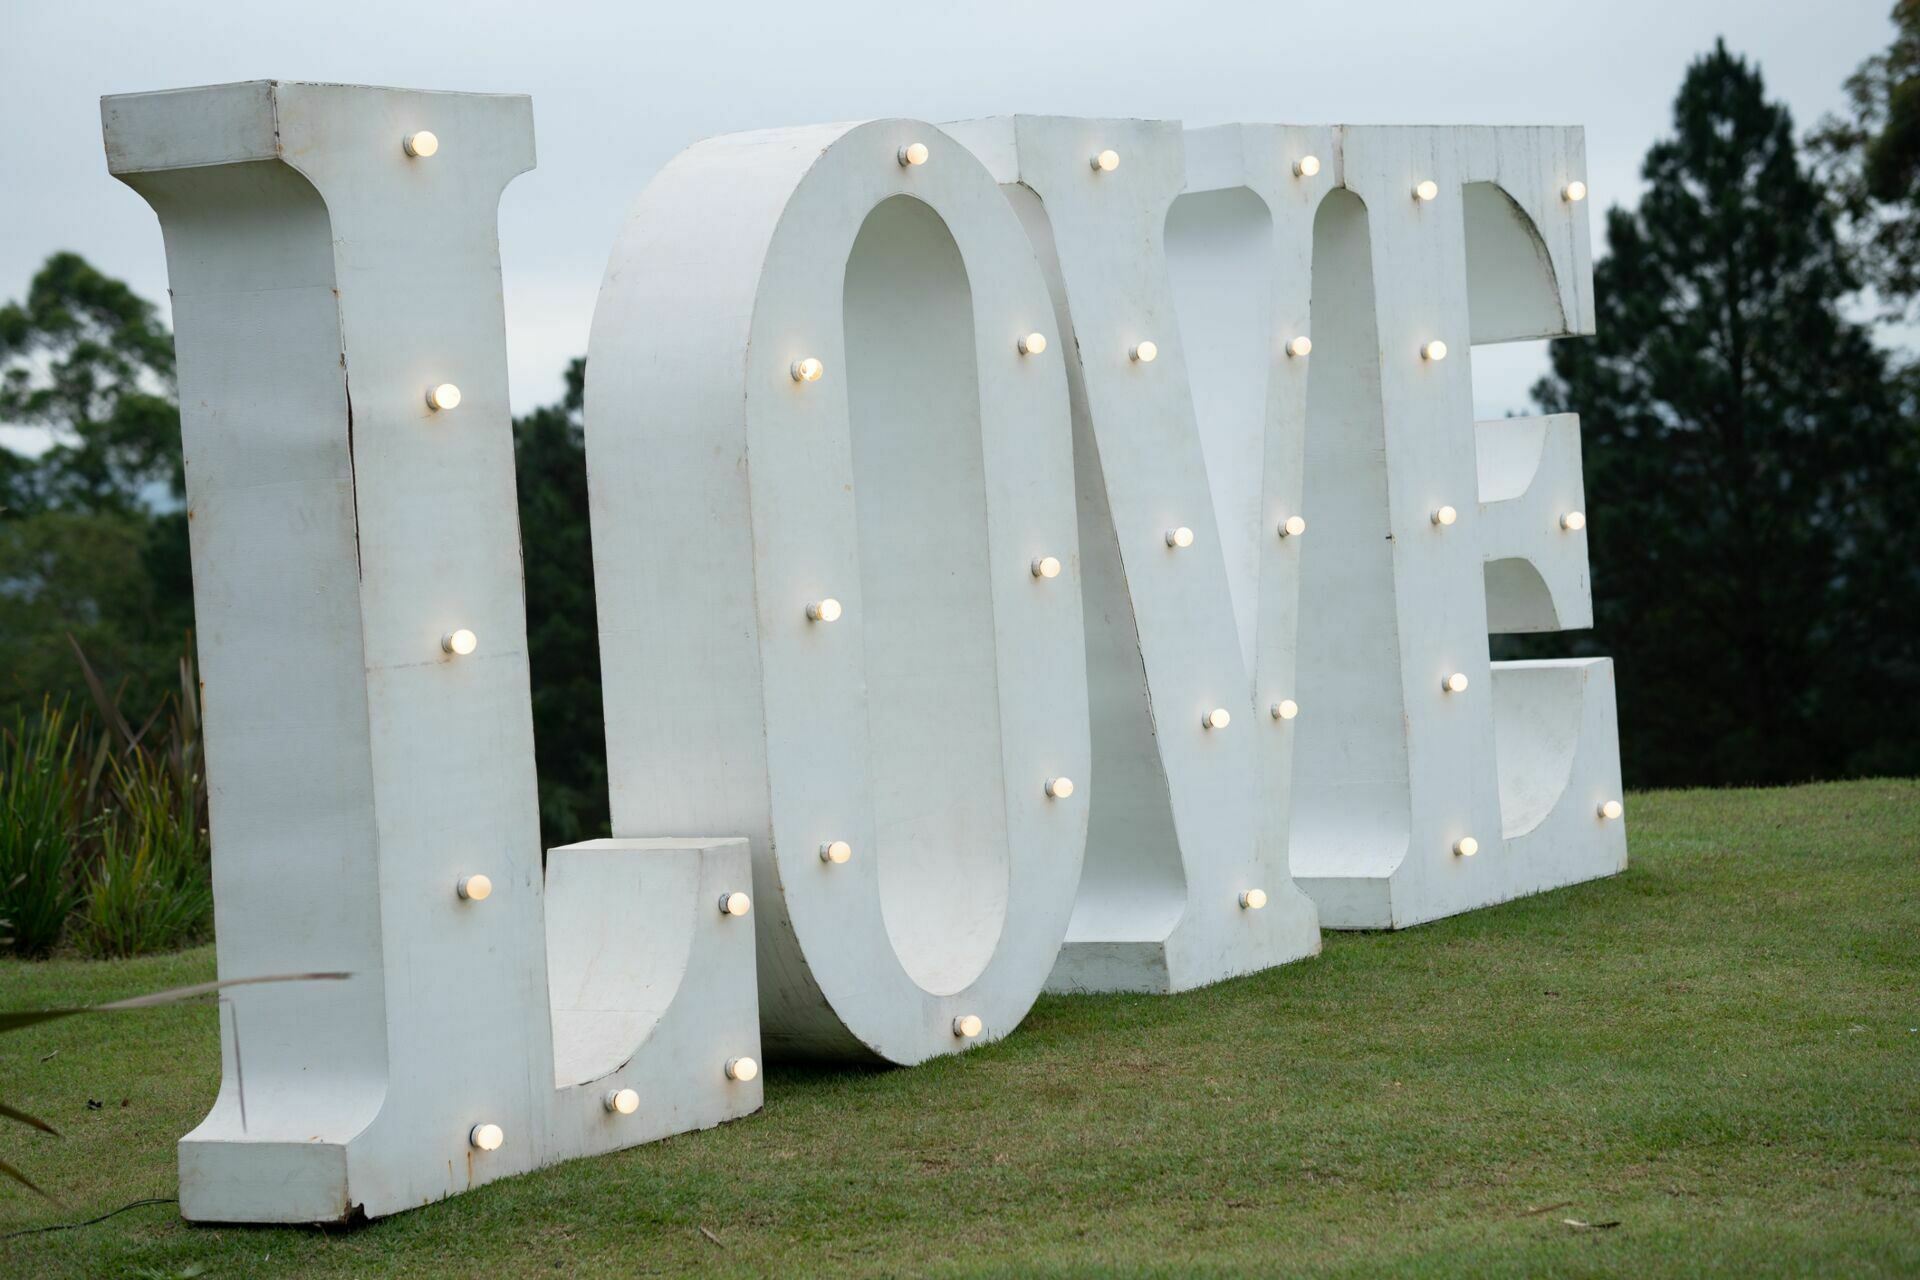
(914, 481)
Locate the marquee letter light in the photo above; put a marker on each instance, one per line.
(835, 556)
(337, 307)
(1427, 780)
(1187, 878)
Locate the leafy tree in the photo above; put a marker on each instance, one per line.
(1743, 451)
(85, 547)
(1872, 163)
(87, 359)
(563, 640)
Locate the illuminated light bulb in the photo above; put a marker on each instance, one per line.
(1218, 718)
(1574, 521)
(911, 154)
(1427, 190)
(1444, 516)
(1046, 567)
(836, 852)
(742, 1069)
(807, 370)
(1253, 899)
(1143, 352)
(420, 145)
(1059, 788)
(1574, 192)
(486, 1137)
(1293, 527)
(1466, 846)
(1455, 683)
(1610, 809)
(444, 396)
(1285, 709)
(966, 1026)
(1300, 346)
(1104, 161)
(475, 888)
(622, 1102)
(735, 904)
(1181, 537)
(1435, 351)
(460, 643)
(1306, 166)
(827, 610)
(1033, 344)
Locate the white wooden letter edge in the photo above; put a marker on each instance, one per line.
(837, 575)
(338, 317)
(1427, 780)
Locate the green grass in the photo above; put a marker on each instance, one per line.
(1716, 1050)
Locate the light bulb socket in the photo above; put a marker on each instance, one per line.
(742, 1069)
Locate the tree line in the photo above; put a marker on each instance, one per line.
(1752, 462)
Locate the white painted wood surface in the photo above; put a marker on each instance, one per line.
(828, 460)
(323, 280)
(1185, 818)
(915, 482)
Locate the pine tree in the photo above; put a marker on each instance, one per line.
(1741, 443)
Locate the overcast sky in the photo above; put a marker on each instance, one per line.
(618, 88)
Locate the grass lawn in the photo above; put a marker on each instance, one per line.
(1716, 1051)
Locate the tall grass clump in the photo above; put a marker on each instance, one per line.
(103, 827)
(147, 888)
(148, 882)
(41, 827)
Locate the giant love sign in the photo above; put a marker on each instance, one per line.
(1035, 553)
